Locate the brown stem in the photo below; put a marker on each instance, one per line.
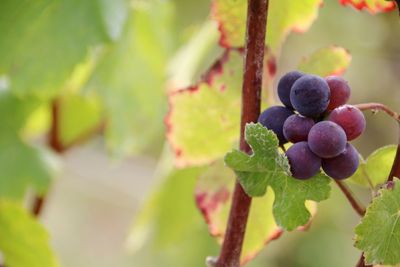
(361, 262)
(395, 171)
(357, 206)
(251, 104)
(379, 106)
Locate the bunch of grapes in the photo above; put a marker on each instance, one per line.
(319, 123)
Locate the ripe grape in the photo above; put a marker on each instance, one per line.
(342, 166)
(327, 139)
(351, 119)
(340, 91)
(273, 118)
(297, 127)
(310, 95)
(285, 85)
(304, 164)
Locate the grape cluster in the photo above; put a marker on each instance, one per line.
(319, 123)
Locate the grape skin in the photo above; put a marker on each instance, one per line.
(340, 91)
(303, 162)
(297, 127)
(342, 166)
(310, 95)
(285, 85)
(273, 118)
(327, 139)
(351, 119)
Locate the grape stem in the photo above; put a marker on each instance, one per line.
(361, 261)
(257, 11)
(357, 206)
(55, 143)
(378, 106)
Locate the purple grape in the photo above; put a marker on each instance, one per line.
(310, 95)
(342, 166)
(340, 91)
(285, 85)
(327, 139)
(304, 164)
(351, 119)
(273, 118)
(297, 127)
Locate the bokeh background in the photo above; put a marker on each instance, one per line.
(97, 197)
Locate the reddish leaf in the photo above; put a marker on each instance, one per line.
(372, 6)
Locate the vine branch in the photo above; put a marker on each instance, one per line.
(361, 261)
(251, 103)
(378, 106)
(357, 206)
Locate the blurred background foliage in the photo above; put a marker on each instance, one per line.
(109, 65)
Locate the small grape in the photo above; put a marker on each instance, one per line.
(273, 118)
(297, 127)
(342, 166)
(285, 85)
(304, 164)
(351, 119)
(310, 95)
(340, 91)
(327, 139)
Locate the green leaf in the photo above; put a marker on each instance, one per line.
(378, 234)
(79, 115)
(213, 197)
(43, 40)
(203, 121)
(267, 167)
(23, 241)
(130, 75)
(332, 60)
(375, 170)
(284, 16)
(372, 6)
(21, 165)
(169, 228)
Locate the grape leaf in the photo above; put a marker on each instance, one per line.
(23, 241)
(130, 75)
(79, 115)
(332, 60)
(203, 121)
(376, 168)
(213, 198)
(267, 167)
(44, 40)
(37, 165)
(284, 16)
(169, 229)
(378, 234)
(372, 6)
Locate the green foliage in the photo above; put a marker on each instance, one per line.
(378, 234)
(213, 196)
(23, 241)
(283, 17)
(43, 40)
(203, 121)
(21, 165)
(332, 60)
(375, 169)
(267, 167)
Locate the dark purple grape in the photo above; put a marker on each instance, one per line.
(273, 118)
(310, 95)
(342, 166)
(297, 127)
(285, 85)
(327, 139)
(351, 119)
(304, 164)
(340, 91)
